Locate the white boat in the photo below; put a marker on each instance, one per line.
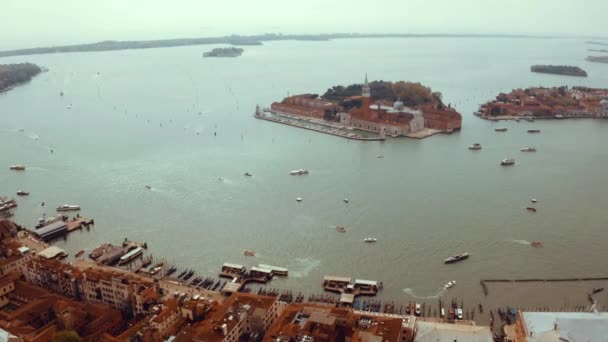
(67, 207)
(131, 255)
(418, 311)
(298, 172)
(450, 284)
(299, 199)
(533, 200)
(370, 240)
(507, 162)
(346, 200)
(459, 313)
(475, 146)
(528, 149)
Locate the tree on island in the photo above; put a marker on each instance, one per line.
(12, 74)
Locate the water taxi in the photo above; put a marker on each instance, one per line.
(134, 253)
(67, 207)
(507, 162)
(249, 253)
(475, 147)
(299, 172)
(528, 149)
(450, 284)
(457, 257)
(17, 167)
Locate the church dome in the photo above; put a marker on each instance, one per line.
(398, 104)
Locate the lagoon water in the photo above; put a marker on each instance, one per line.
(175, 121)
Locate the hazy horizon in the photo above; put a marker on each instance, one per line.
(35, 23)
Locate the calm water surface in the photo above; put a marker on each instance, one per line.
(149, 117)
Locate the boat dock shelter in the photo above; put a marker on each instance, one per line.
(349, 290)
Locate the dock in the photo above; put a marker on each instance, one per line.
(78, 223)
(348, 290)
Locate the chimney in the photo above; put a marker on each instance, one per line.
(225, 329)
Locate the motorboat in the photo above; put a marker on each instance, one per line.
(248, 174)
(341, 229)
(533, 200)
(67, 207)
(531, 209)
(501, 129)
(459, 313)
(534, 131)
(475, 147)
(536, 244)
(249, 253)
(598, 290)
(380, 156)
(79, 253)
(370, 240)
(298, 172)
(507, 162)
(457, 257)
(418, 310)
(346, 200)
(299, 199)
(450, 284)
(148, 187)
(22, 193)
(17, 167)
(528, 149)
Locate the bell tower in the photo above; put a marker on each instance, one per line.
(366, 92)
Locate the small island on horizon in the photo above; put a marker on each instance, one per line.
(597, 59)
(559, 70)
(224, 52)
(12, 75)
(368, 111)
(547, 103)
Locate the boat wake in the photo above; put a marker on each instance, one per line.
(410, 292)
(304, 266)
(522, 242)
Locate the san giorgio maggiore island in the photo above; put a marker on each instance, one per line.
(371, 111)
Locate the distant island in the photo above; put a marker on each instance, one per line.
(12, 75)
(559, 70)
(380, 107)
(595, 42)
(224, 52)
(111, 45)
(597, 59)
(600, 50)
(547, 103)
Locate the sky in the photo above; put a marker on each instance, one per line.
(28, 23)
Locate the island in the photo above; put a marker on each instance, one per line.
(547, 103)
(368, 111)
(600, 50)
(597, 59)
(224, 52)
(112, 45)
(559, 70)
(12, 75)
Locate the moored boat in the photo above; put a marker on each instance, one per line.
(17, 167)
(418, 310)
(475, 146)
(134, 253)
(457, 257)
(507, 162)
(528, 149)
(501, 129)
(67, 207)
(79, 253)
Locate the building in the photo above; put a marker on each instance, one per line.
(13, 257)
(447, 332)
(167, 319)
(560, 326)
(54, 275)
(318, 323)
(241, 314)
(51, 230)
